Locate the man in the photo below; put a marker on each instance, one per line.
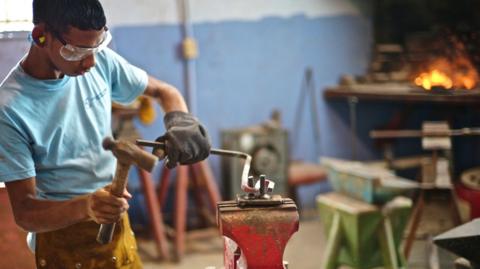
(55, 110)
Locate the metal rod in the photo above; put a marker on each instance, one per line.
(352, 105)
(190, 74)
(420, 133)
(222, 152)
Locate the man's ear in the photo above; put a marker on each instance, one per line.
(38, 35)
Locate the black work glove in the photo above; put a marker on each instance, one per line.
(186, 140)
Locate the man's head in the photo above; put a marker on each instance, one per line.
(69, 32)
(59, 15)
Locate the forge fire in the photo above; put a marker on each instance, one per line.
(454, 72)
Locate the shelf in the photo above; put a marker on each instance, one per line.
(402, 93)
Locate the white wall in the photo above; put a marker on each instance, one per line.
(135, 12)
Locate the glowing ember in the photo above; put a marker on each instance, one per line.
(432, 79)
(453, 72)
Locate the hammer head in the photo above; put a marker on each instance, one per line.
(128, 153)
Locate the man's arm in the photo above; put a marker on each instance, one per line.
(36, 215)
(186, 138)
(167, 96)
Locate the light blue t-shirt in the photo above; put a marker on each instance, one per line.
(53, 129)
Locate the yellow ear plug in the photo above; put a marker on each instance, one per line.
(146, 112)
(41, 39)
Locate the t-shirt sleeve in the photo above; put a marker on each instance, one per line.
(16, 161)
(127, 80)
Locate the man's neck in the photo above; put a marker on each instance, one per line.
(39, 66)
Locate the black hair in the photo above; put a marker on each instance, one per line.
(59, 15)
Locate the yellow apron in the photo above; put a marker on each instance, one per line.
(75, 247)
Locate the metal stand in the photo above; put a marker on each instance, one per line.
(202, 178)
(155, 214)
(308, 92)
(352, 105)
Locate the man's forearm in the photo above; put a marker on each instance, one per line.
(168, 97)
(37, 215)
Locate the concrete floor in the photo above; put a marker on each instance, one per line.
(304, 251)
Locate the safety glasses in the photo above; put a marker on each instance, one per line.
(74, 53)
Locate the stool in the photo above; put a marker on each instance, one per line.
(302, 173)
(202, 179)
(362, 235)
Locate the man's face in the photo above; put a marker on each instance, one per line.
(77, 41)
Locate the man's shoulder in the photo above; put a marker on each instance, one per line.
(107, 56)
(9, 88)
(11, 80)
(106, 60)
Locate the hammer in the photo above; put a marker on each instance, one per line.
(127, 153)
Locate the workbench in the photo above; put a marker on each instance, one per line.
(404, 94)
(361, 235)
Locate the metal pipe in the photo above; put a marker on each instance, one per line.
(222, 152)
(352, 105)
(190, 65)
(420, 133)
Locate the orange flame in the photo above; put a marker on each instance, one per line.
(427, 80)
(456, 72)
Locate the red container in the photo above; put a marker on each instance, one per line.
(472, 197)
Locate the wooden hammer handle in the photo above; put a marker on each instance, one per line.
(127, 154)
(119, 183)
(120, 179)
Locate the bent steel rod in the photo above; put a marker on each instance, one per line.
(221, 152)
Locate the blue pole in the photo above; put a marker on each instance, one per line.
(190, 54)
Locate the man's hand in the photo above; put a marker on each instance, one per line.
(104, 207)
(186, 140)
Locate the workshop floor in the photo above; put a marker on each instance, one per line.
(304, 251)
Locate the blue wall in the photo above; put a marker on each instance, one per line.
(246, 69)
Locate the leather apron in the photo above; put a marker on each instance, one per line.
(75, 247)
